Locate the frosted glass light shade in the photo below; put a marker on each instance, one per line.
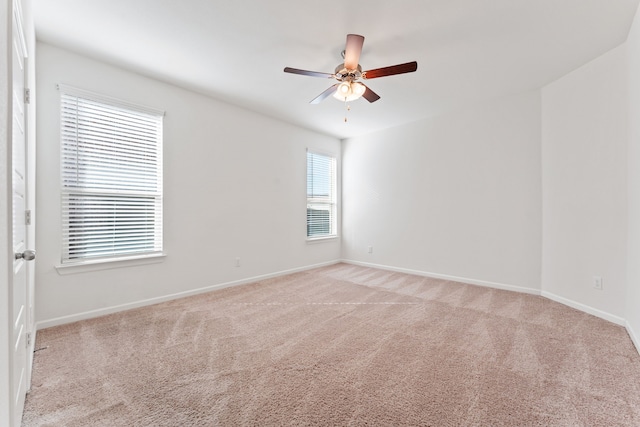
(349, 91)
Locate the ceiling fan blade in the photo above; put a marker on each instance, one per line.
(370, 95)
(307, 73)
(352, 51)
(324, 94)
(409, 67)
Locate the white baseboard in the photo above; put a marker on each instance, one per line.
(485, 283)
(634, 338)
(578, 306)
(587, 309)
(142, 303)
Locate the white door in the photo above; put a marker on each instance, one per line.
(22, 254)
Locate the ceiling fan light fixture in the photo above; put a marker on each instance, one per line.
(344, 89)
(349, 91)
(358, 88)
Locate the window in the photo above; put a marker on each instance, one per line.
(111, 177)
(321, 195)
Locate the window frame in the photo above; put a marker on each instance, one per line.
(68, 192)
(331, 199)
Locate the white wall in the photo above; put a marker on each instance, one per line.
(633, 181)
(584, 171)
(235, 186)
(458, 195)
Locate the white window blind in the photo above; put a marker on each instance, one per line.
(321, 195)
(111, 171)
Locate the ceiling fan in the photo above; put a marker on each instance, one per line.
(347, 74)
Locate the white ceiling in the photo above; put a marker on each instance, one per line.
(235, 50)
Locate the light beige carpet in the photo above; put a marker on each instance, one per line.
(341, 345)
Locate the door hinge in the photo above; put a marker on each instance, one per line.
(27, 217)
(28, 339)
(27, 96)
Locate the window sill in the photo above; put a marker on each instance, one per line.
(321, 239)
(105, 264)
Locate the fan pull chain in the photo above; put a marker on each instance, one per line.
(347, 108)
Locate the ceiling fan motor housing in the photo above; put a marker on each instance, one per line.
(343, 74)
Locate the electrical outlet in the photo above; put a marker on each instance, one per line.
(370, 249)
(597, 282)
(237, 261)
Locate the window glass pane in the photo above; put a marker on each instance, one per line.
(111, 177)
(318, 176)
(321, 189)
